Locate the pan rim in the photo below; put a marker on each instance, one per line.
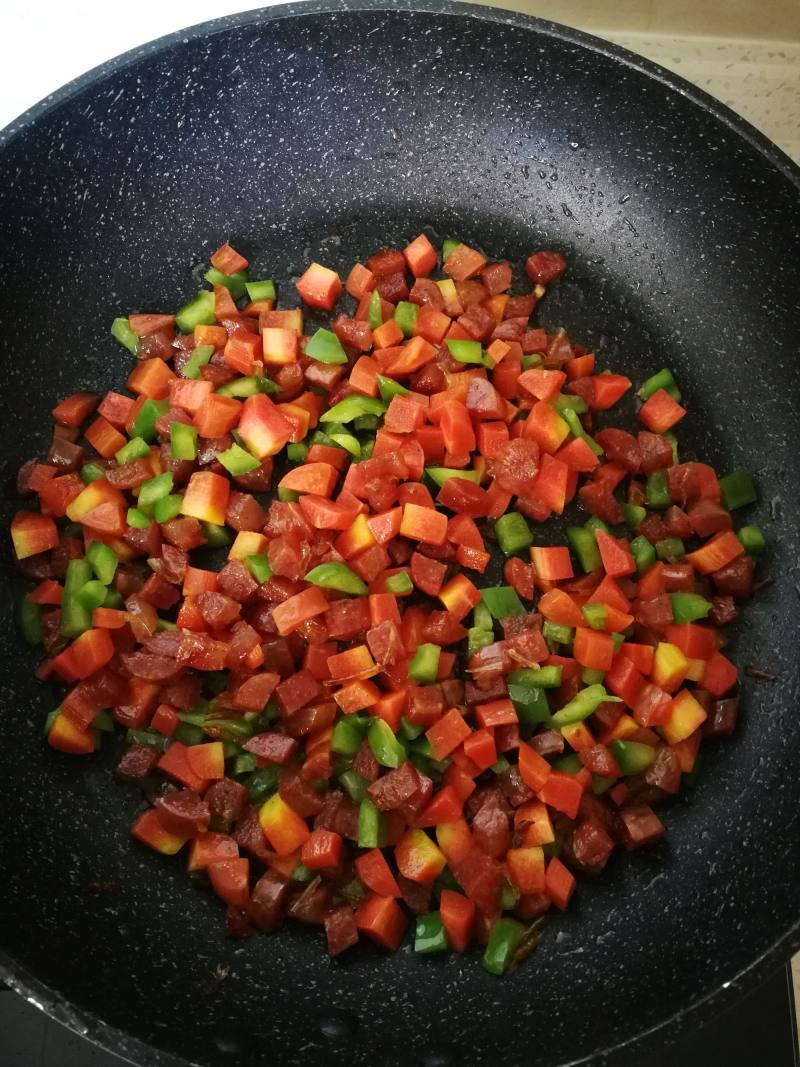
(720, 997)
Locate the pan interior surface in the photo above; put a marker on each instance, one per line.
(326, 135)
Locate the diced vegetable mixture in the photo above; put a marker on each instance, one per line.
(268, 562)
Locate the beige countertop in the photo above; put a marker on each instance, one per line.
(746, 55)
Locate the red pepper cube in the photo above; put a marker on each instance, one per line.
(175, 763)
(404, 415)
(552, 564)
(420, 256)
(323, 848)
(481, 749)
(615, 554)
(242, 350)
(263, 427)
(423, 524)
(559, 883)
(279, 346)
(297, 609)
(32, 533)
(228, 261)
(320, 287)
(447, 734)
(360, 280)
(458, 918)
(282, 826)
(383, 920)
(206, 497)
(496, 713)
(151, 378)
(533, 768)
(217, 415)
(65, 736)
(418, 858)
(660, 412)
(593, 648)
(526, 868)
(373, 870)
(720, 675)
(150, 832)
(459, 596)
(562, 792)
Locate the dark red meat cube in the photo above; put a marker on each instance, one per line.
(272, 746)
(268, 902)
(295, 692)
(640, 826)
(365, 764)
(226, 800)
(299, 795)
(340, 929)
(137, 763)
(183, 812)
(395, 788)
(249, 836)
(735, 579)
(589, 846)
(721, 721)
(416, 897)
(655, 450)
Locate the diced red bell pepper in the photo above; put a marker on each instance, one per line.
(230, 881)
(562, 792)
(320, 287)
(418, 857)
(559, 883)
(660, 412)
(383, 920)
(32, 533)
(458, 918)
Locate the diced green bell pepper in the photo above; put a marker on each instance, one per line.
(546, 677)
(182, 441)
(145, 422)
(296, 451)
(237, 460)
(262, 783)
(584, 545)
(737, 490)
(137, 518)
(374, 311)
(370, 825)
(595, 615)
(670, 549)
(424, 665)
(555, 633)
(259, 567)
(594, 523)
(531, 359)
(353, 406)
(752, 540)
(530, 702)
(633, 515)
(136, 448)
(246, 763)
(589, 676)
(688, 607)
(657, 490)
(337, 576)
(234, 283)
(632, 756)
(478, 638)
(348, 442)
(440, 475)
(216, 536)
(325, 347)
(663, 379)
(643, 553)
(568, 764)
(288, 496)
(482, 617)
(155, 489)
(386, 749)
(348, 733)
(249, 386)
(113, 599)
(122, 332)
(405, 315)
(513, 533)
(570, 416)
(449, 245)
(75, 618)
(199, 358)
(502, 602)
(354, 785)
(582, 705)
(92, 595)
(199, 311)
(103, 561)
(465, 351)
(388, 388)
(504, 938)
(168, 507)
(261, 290)
(399, 583)
(429, 935)
(92, 472)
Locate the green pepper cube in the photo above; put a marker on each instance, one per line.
(503, 602)
(737, 490)
(242, 387)
(657, 490)
(199, 358)
(236, 460)
(261, 290)
(337, 576)
(386, 749)
(136, 448)
(182, 441)
(370, 825)
(632, 756)
(556, 633)
(137, 518)
(154, 489)
(688, 607)
(670, 549)
(595, 615)
(168, 507)
(92, 472)
(531, 359)
(643, 553)
(546, 677)
(122, 332)
(103, 561)
(388, 388)
(429, 935)
(505, 935)
(198, 311)
(347, 736)
(354, 785)
(449, 245)
(482, 617)
(513, 533)
(440, 475)
(582, 705)
(353, 406)
(348, 442)
(405, 315)
(259, 567)
(590, 676)
(570, 416)
(584, 545)
(216, 536)
(144, 424)
(399, 583)
(564, 402)
(92, 595)
(633, 515)
(74, 616)
(478, 638)
(465, 351)
(752, 540)
(234, 283)
(663, 379)
(375, 310)
(325, 347)
(296, 451)
(424, 666)
(530, 702)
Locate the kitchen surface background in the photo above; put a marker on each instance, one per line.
(745, 54)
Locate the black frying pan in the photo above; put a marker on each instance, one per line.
(326, 130)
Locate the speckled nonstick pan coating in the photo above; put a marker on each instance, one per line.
(327, 130)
